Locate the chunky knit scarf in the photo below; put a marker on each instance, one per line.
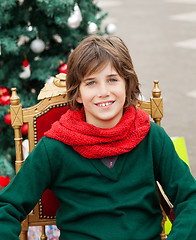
(94, 142)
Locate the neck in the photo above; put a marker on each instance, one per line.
(104, 124)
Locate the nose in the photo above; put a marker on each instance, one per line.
(103, 90)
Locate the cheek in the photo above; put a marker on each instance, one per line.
(123, 91)
(123, 95)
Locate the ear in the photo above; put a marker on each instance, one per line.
(79, 99)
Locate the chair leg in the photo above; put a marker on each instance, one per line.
(163, 234)
(43, 236)
(24, 235)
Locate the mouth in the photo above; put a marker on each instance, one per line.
(104, 104)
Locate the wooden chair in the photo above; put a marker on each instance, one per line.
(154, 108)
(39, 119)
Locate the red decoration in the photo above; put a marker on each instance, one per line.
(26, 70)
(62, 68)
(24, 129)
(7, 119)
(4, 91)
(4, 181)
(5, 100)
(25, 63)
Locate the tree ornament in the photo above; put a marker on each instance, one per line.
(4, 181)
(37, 45)
(110, 29)
(7, 119)
(75, 19)
(33, 90)
(24, 129)
(62, 68)
(26, 70)
(50, 79)
(5, 100)
(92, 28)
(29, 27)
(4, 91)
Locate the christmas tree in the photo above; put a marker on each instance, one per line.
(36, 38)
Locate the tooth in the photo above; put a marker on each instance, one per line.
(105, 104)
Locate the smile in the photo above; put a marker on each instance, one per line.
(104, 104)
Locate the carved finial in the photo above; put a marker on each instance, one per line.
(156, 92)
(15, 100)
(60, 80)
(57, 87)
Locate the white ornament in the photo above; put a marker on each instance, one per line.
(29, 28)
(22, 40)
(75, 19)
(110, 28)
(33, 90)
(57, 38)
(37, 46)
(73, 22)
(26, 71)
(92, 28)
(50, 79)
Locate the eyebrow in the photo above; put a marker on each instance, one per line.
(88, 79)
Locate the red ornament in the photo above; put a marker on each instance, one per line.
(26, 70)
(24, 129)
(7, 119)
(4, 181)
(25, 63)
(63, 68)
(5, 100)
(4, 91)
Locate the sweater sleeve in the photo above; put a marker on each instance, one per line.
(180, 186)
(24, 191)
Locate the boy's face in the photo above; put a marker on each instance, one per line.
(103, 96)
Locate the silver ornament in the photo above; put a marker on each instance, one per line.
(92, 28)
(73, 22)
(37, 46)
(75, 19)
(110, 28)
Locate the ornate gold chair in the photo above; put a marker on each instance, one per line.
(39, 119)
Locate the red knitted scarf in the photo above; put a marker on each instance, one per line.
(94, 142)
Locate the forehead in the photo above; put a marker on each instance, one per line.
(97, 67)
(106, 69)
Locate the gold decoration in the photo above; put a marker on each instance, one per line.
(60, 80)
(57, 87)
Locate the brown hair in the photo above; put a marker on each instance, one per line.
(90, 56)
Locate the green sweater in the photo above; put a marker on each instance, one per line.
(101, 203)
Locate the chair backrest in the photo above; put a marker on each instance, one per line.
(39, 119)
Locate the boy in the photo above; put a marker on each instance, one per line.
(102, 158)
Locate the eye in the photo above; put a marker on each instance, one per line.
(112, 80)
(90, 83)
